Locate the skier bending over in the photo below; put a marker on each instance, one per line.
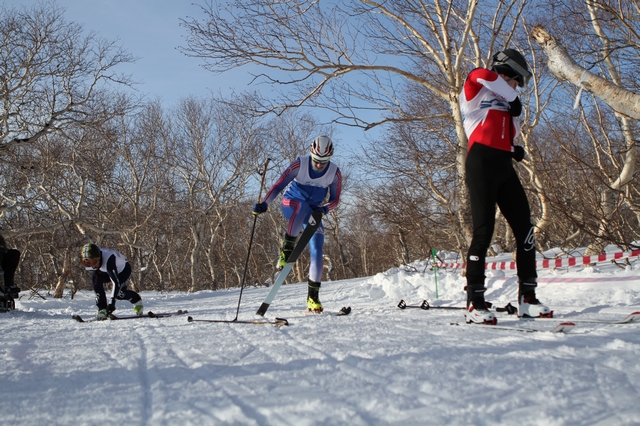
(307, 181)
(489, 104)
(109, 265)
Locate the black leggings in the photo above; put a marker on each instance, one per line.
(492, 180)
(122, 293)
(9, 262)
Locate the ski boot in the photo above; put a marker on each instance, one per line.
(528, 305)
(477, 309)
(287, 247)
(14, 291)
(313, 298)
(102, 315)
(6, 300)
(137, 308)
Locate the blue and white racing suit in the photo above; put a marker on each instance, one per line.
(305, 190)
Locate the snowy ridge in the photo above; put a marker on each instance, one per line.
(378, 365)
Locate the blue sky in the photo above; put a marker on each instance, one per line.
(150, 30)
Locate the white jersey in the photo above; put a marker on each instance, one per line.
(119, 261)
(324, 181)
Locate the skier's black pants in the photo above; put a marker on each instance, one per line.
(122, 293)
(492, 180)
(9, 262)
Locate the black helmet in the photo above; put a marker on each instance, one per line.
(89, 251)
(511, 63)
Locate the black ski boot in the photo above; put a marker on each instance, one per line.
(288, 244)
(313, 298)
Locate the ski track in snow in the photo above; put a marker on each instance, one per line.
(379, 365)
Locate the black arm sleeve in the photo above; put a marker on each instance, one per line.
(112, 270)
(515, 107)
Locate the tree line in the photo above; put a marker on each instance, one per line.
(82, 160)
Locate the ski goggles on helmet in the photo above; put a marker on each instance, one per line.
(319, 160)
(522, 74)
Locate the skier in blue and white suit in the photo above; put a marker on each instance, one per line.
(306, 183)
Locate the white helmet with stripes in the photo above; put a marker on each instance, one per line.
(322, 149)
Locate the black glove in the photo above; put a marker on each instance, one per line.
(518, 153)
(515, 108)
(322, 209)
(260, 207)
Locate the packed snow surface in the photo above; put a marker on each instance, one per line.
(380, 365)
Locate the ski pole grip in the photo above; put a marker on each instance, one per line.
(264, 173)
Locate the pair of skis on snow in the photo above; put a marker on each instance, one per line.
(562, 325)
(147, 315)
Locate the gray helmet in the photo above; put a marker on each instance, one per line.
(511, 63)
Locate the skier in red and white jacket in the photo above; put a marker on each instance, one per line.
(489, 105)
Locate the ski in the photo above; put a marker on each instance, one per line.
(562, 327)
(309, 230)
(345, 310)
(633, 317)
(277, 321)
(147, 315)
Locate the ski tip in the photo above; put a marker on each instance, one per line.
(345, 311)
(77, 318)
(564, 327)
(281, 321)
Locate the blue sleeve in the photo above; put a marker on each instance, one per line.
(285, 179)
(334, 191)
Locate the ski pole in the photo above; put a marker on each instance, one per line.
(253, 229)
(425, 305)
(435, 269)
(509, 308)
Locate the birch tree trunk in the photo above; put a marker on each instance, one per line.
(625, 104)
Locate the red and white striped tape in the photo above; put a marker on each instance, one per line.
(553, 263)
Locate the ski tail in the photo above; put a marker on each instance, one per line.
(263, 309)
(277, 321)
(274, 289)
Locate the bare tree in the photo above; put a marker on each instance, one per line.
(50, 72)
(212, 151)
(53, 80)
(614, 29)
